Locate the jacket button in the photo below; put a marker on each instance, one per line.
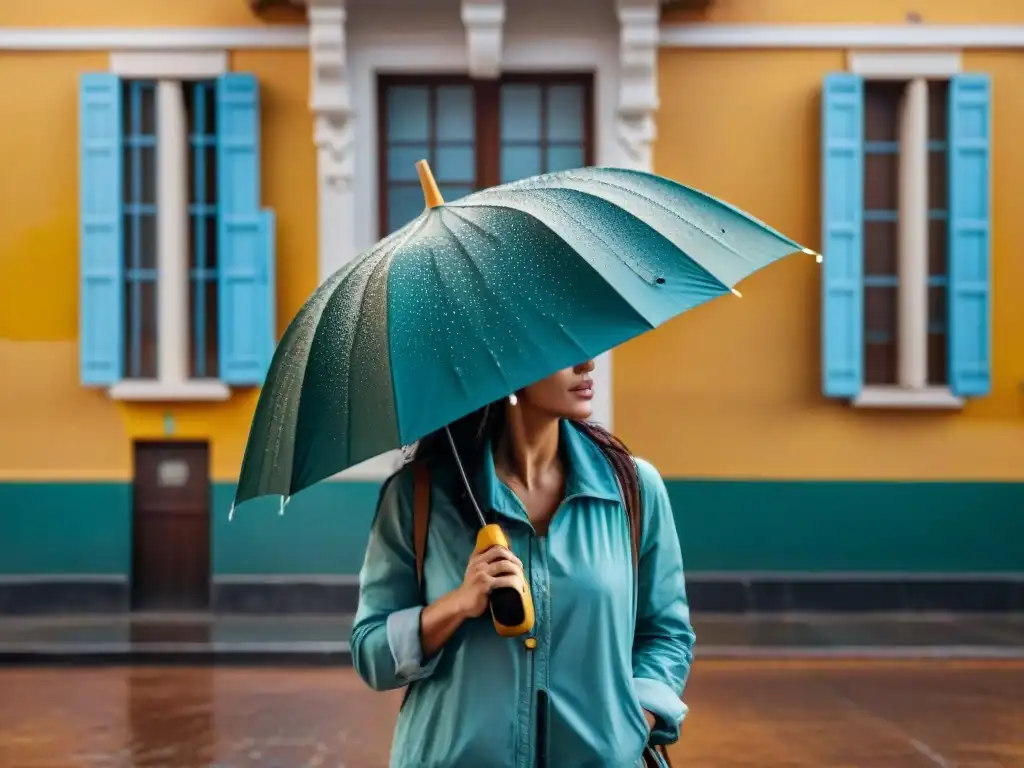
(530, 643)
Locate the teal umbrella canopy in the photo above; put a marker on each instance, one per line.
(477, 298)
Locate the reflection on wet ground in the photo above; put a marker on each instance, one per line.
(134, 638)
(785, 714)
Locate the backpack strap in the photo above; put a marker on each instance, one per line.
(420, 516)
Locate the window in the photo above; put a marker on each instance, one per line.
(140, 267)
(177, 257)
(906, 239)
(477, 134)
(201, 110)
(885, 104)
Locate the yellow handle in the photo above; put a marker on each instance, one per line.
(511, 609)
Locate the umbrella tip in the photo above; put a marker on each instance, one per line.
(736, 293)
(431, 193)
(815, 254)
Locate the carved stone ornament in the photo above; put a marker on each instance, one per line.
(638, 80)
(330, 95)
(484, 21)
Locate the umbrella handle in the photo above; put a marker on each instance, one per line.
(511, 608)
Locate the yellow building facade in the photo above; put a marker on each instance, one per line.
(120, 441)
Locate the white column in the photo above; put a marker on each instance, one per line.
(331, 105)
(172, 232)
(639, 33)
(913, 237)
(330, 101)
(635, 129)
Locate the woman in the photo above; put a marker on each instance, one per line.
(601, 674)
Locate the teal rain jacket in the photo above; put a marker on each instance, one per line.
(608, 645)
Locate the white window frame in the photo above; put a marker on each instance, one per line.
(914, 68)
(169, 69)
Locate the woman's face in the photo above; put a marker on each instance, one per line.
(567, 394)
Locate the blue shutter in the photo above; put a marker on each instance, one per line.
(970, 208)
(101, 231)
(245, 248)
(842, 234)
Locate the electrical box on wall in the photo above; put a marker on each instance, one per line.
(266, 5)
(686, 5)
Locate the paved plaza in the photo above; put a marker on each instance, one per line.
(824, 713)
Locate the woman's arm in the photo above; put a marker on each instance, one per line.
(395, 639)
(440, 620)
(663, 644)
(387, 648)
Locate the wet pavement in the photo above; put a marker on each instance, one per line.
(204, 638)
(768, 714)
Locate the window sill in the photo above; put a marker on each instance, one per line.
(929, 398)
(153, 390)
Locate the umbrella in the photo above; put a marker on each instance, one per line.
(477, 298)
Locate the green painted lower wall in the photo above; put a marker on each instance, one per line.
(54, 528)
(910, 527)
(85, 528)
(323, 531)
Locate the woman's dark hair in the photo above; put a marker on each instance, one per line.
(473, 432)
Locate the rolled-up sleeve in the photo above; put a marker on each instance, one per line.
(386, 647)
(663, 644)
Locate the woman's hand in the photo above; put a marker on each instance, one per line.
(487, 571)
(491, 569)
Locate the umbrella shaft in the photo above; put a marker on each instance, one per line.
(465, 480)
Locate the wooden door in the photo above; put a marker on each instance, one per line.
(171, 527)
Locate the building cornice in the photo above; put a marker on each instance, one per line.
(696, 35)
(825, 36)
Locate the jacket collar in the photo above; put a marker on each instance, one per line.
(588, 474)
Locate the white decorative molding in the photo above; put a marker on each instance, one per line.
(154, 38)
(927, 398)
(154, 390)
(484, 21)
(294, 37)
(638, 81)
(823, 36)
(172, 65)
(333, 132)
(904, 65)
